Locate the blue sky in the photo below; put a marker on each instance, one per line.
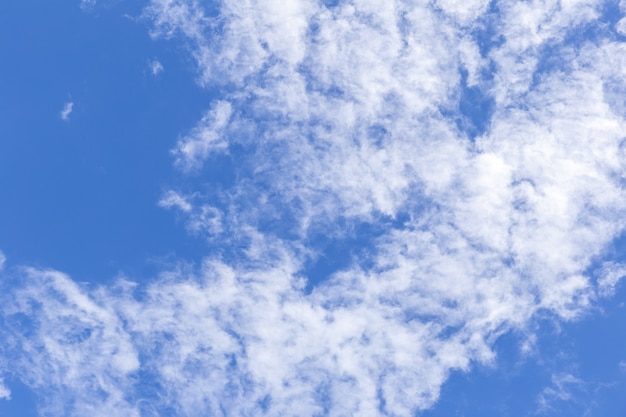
(312, 208)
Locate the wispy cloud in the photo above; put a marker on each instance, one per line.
(156, 67)
(81, 344)
(5, 393)
(564, 388)
(87, 4)
(609, 276)
(201, 217)
(339, 118)
(205, 139)
(67, 110)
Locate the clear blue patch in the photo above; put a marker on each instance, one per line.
(80, 195)
(331, 3)
(590, 349)
(23, 402)
(486, 35)
(507, 389)
(323, 395)
(344, 244)
(382, 403)
(610, 14)
(476, 107)
(265, 403)
(377, 133)
(17, 324)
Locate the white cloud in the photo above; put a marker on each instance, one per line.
(191, 333)
(67, 110)
(465, 12)
(2, 260)
(5, 392)
(173, 199)
(347, 120)
(621, 26)
(609, 276)
(156, 67)
(346, 116)
(206, 138)
(71, 342)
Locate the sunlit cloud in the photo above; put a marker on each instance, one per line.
(67, 110)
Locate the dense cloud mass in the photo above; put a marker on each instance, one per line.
(481, 144)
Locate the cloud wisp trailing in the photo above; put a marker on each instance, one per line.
(340, 117)
(563, 388)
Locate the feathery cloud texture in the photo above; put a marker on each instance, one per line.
(482, 144)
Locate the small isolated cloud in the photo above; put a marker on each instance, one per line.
(67, 110)
(622, 366)
(156, 67)
(172, 199)
(5, 392)
(2, 260)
